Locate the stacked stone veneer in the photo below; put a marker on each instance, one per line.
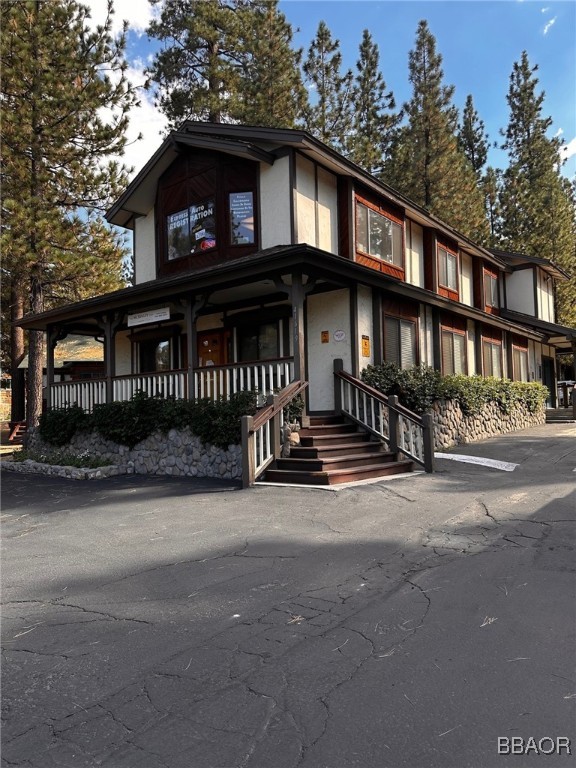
(178, 453)
(452, 427)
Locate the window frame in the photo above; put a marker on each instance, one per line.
(372, 210)
(453, 290)
(492, 344)
(453, 333)
(415, 351)
(489, 303)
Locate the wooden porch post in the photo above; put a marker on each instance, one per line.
(298, 327)
(110, 324)
(51, 346)
(191, 309)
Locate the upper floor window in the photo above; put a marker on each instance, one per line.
(490, 289)
(192, 230)
(378, 236)
(241, 206)
(447, 269)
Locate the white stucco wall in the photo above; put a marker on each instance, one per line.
(466, 280)
(327, 312)
(123, 354)
(144, 249)
(316, 206)
(471, 347)
(275, 203)
(520, 291)
(327, 211)
(545, 297)
(426, 339)
(364, 326)
(414, 254)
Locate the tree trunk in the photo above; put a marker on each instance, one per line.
(17, 352)
(35, 359)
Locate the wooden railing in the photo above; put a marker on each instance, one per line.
(402, 430)
(264, 377)
(86, 393)
(261, 433)
(159, 384)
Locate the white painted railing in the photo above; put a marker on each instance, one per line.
(402, 430)
(86, 394)
(261, 433)
(161, 384)
(265, 378)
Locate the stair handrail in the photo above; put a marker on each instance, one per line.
(406, 431)
(261, 433)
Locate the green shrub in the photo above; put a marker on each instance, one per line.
(128, 423)
(418, 387)
(58, 426)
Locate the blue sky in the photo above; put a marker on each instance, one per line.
(478, 40)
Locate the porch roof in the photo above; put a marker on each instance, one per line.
(560, 336)
(268, 264)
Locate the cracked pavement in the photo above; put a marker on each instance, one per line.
(164, 623)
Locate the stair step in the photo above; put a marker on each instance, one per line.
(338, 449)
(329, 429)
(336, 476)
(334, 439)
(316, 421)
(17, 433)
(334, 462)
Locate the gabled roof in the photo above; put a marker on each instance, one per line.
(517, 261)
(559, 335)
(264, 145)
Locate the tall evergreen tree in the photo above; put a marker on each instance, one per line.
(57, 175)
(426, 162)
(273, 94)
(473, 138)
(329, 117)
(537, 203)
(491, 184)
(374, 119)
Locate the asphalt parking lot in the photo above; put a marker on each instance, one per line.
(424, 621)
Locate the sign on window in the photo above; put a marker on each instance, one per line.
(241, 218)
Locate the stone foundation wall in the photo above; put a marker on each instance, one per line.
(179, 453)
(452, 427)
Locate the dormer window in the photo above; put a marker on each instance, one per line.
(192, 230)
(378, 236)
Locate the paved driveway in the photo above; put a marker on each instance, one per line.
(155, 623)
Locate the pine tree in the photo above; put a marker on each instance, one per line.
(57, 175)
(537, 203)
(472, 137)
(329, 117)
(273, 94)
(491, 184)
(426, 163)
(374, 119)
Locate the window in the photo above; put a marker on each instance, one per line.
(490, 290)
(400, 341)
(520, 364)
(241, 218)
(259, 342)
(492, 358)
(192, 230)
(155, 355)
(378, 236)
(453, 352)
(447, 269)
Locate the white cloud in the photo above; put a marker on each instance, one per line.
(559, 132)
(138, 13)
(568, 150)
(549, 25)
(544, 10)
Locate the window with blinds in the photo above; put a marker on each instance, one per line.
(520, 364)
(492, 359)
(453, 352)
(490, 290)
(400, 341)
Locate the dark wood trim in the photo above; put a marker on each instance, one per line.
(292, 188)
(535, 283)
(377, 327)
(354, 329)
(436, 339)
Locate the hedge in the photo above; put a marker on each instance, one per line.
(130, 422)
(418, 387)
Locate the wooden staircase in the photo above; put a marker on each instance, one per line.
(17, 432)
(335, 450)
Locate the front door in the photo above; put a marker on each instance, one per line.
(212, 348)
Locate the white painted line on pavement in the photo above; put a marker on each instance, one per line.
(505, 466)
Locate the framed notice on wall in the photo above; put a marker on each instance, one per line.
(365, 346)
(241, 218)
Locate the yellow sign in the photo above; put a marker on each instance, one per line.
(325, 337)
(365, 346)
